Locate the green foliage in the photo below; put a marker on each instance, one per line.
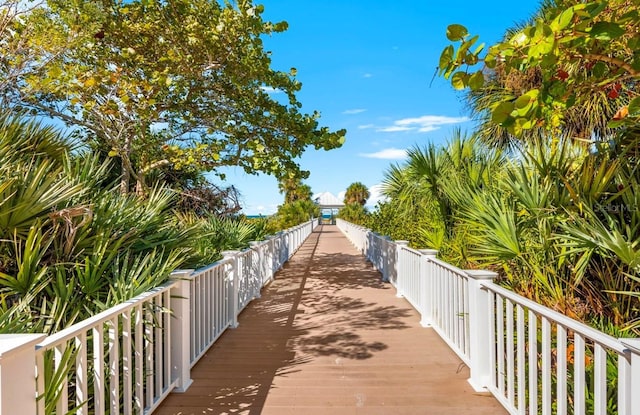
(354, 213)
(71, 245)
(572, 70)
(558, 223)
(214, 235)
(292, 214)
(155, 84)
(293, 189)
(357, 193)
(558, 219)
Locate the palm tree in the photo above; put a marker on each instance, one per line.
(293, 189)
(357, 193)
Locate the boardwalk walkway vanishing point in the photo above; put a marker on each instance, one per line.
(328, 337)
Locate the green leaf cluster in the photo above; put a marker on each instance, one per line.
(560, 224)
(71, 245)
(568, 59)
(183, 83)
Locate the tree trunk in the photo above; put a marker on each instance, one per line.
(125, 177)
(140, 185)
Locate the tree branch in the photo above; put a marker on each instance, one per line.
(614, 61)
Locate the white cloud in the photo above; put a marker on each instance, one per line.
(366, 126)
(259, 210)
(270, 90)
(387, 154)
(354, 111)
(427, 129)
(423, 124)
(376, 195)
(367, 75)
(393, 129)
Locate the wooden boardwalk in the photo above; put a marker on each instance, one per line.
(327, 337)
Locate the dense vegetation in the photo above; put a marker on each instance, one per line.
(296, 208)
(154, 95)
(546, 190)
(355, 199)
(71, 244)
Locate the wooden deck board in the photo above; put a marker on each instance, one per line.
(328, 337)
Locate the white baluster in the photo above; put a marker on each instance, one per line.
(180, 326)
(17, 373)
(426, 292)
(479, 326)
(633, 402)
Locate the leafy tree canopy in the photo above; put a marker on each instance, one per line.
(293, 189)
(357, 193)
(579, 49)
(180, 82)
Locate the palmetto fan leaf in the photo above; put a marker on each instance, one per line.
(22, 141)
(602, 232)
(395, 181)
(30, 192)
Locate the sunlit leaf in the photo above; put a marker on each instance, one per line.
(562, 20)
(459, 80)
(634, 107)
(606, 31)
(456, 32)
(446, 57)
(501, 112)
(476, 81)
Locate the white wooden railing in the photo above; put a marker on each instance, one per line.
(127, 359)
(534, 360)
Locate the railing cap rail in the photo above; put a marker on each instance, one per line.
(13, 343)
(481, 274)
(449, 267)
(631, 344)
(181, 273)
(209, 267)
(560, 319)
(230, 253)
(84, 325)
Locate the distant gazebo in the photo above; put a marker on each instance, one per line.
(329, 206)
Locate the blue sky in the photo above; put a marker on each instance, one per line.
(367, 66)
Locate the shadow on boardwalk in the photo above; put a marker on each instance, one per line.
(329, 337)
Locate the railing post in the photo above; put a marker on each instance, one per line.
(277, 252)
(480, 337)
(384, 260)
(255, 245)
(426, 281)
(18, 373)
(236, 275)
(400, 268)
(271, 245)
(632, 401)
(389, 262)
(180, 327)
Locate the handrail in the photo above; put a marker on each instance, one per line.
(128, 358)
(531, 358)
(102, 317)
(569, 323)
